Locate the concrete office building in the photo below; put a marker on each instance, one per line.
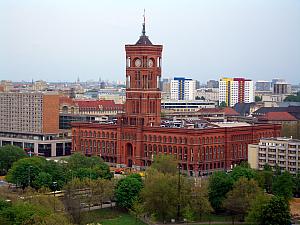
(30, 120)
(283, 152)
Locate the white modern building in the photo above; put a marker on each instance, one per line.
(235, 90)
(183, 88)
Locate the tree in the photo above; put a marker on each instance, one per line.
(258, 99)
(188, 214)
(296, 181)
(276, 212)
(268, 175)
(160, 194)
(8, 155)
(283, 185)
(293, 98)
(256, 209)
(243, 171)
(223, 105)
(42, 180)
(165, 164)
(88, 167)
(127, 190)
(137, 209)
(73, 199)
(25, 171)
(239, 199)
(219, 184)
(199, 200)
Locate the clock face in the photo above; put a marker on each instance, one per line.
(150, 63)
(138, 63)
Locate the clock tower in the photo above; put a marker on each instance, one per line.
(143, 73)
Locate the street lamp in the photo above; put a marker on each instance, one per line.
(54, 184)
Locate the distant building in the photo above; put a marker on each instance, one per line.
(283, 152)
(72, 110)
(183, 89)
(6, 86)
(280, 86)
(235, 90)
(39, 85)
(212, 84)
(185, 105)
(209, 94)
(262, 85)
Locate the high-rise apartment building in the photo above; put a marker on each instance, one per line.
(30, 120)
(235, 90)
(183, 88)
(29, 112)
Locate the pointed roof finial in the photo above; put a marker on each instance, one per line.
(144, 25)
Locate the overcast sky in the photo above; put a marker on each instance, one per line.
(59, 40)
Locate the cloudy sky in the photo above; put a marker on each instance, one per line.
(60, 40)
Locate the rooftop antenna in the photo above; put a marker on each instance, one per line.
(144, 24)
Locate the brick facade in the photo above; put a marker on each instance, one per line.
(137, 137)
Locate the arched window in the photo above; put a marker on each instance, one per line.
(170, 139)
(192, 141)
(154, 138)
(145, 137)
(65, 109)
(150, 138)
(164, 139)
(159, 148)
(170, 149)
(175, 140)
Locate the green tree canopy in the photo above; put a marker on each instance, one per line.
(243, 171)
(293, 98)
(219, 184)
(283, 185)
(93, 167)
(127, 190)
(25, 171)
(276, 212)
(165, 164)
(160, 194)
(8, 155)
(255, 213)
(223, 105)
(239, 199)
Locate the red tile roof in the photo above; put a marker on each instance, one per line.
(66, 100)
(227, 111)
(278, 116)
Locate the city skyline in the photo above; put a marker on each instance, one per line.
(63, 40)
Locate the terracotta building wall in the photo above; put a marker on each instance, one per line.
(50, 113)
(199, 151)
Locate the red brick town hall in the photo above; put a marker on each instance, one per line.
(138, 135)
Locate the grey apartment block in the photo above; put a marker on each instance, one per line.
(283, 152)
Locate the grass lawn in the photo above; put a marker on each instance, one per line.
(109, 217)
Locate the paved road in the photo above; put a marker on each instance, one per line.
(113, 204)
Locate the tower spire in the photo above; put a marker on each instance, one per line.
(144, 25)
